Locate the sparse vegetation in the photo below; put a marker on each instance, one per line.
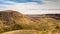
(10, 28)
(17, 21)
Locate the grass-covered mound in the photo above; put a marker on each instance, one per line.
(13, 20)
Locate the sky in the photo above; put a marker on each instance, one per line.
(31, 6)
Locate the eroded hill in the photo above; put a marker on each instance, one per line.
(13, 20)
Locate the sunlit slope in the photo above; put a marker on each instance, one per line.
(45, 22)
(23, 20)
(13, 20)
(22, 32)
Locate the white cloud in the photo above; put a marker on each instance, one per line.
(36, 0)
(7, 2)
(32, 7)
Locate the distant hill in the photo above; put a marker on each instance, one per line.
(55, 16)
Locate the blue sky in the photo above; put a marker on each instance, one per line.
(22, 1)
(25, 1)
(31, 6)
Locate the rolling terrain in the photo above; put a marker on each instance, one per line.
(13, 21)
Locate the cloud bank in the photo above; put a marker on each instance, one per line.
(31, 6)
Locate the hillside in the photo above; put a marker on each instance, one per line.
(13, 20)
(21, 32)
(47, 22)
